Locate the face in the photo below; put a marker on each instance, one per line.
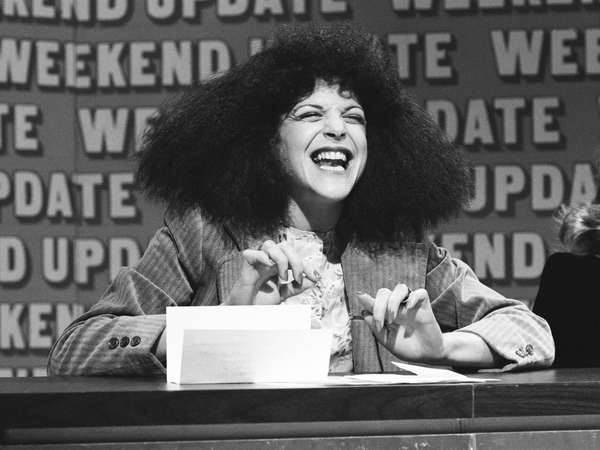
(324, 145)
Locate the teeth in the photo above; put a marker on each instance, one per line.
(331, 156)
(331, 161)
(332, 168)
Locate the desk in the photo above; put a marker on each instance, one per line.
(550, 409)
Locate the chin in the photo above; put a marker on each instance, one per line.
(333, 195)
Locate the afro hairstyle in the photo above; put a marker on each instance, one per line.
(216, 146)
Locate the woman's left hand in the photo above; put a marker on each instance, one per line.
(404, 323)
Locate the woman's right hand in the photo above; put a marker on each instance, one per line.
(272, 274)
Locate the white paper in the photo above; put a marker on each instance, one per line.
(255, 356)
(422, 374)
(236, 344)
(418, 375)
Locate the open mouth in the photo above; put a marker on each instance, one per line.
(336, 160)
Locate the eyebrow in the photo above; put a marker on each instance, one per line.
(317, 106)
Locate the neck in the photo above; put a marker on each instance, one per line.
(314, 216)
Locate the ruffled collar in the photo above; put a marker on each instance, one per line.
(327, 238)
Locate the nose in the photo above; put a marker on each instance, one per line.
(335, 127)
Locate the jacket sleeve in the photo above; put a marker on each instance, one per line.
(116, 336)
(461, 303)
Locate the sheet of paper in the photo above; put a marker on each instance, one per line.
(255, 356)
(413, 374)
(422, 374)
(275, 318)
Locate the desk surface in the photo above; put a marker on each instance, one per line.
(548, 399)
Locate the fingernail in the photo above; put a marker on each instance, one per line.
(285, 279)
(360, 293)
(317, 275)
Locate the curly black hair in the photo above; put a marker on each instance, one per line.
(216, 146)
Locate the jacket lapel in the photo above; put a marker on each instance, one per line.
(230, 267)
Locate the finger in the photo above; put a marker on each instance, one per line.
(308, 272)
(287, 290)
(311, 272)
(275, 253)
(370, 320)
(366, 301)
(253, 257)
(380, 334)
(399, 294)
(417, 297)
(405, 299)
(380, 307)
(295, 263)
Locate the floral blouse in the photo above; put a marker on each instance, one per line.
(326, 298)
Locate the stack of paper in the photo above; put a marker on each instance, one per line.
(245, 344)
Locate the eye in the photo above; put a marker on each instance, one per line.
(355, 118)
(309, 116)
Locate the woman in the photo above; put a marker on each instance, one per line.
(570, 286)
(306, 175)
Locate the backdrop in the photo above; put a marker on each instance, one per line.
(515, 82)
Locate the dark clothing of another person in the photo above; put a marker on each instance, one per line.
(569, 299)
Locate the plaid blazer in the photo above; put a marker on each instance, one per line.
(191, 262)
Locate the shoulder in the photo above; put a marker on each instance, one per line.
(192, 226)
(193, 235)
(568, 276)
(570, 263)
